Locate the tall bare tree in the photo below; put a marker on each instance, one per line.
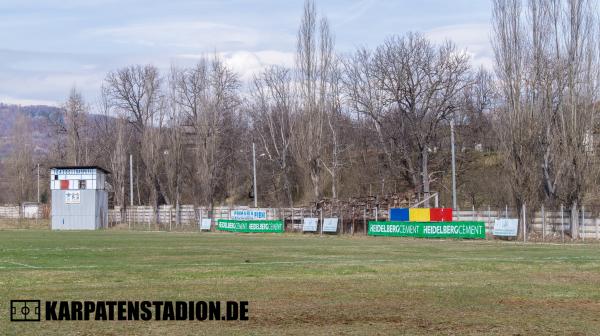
(75, 121)
(136, 92)
(547, 65)
(314, 58)
(274, 112)
(207, 95)
(20, 162)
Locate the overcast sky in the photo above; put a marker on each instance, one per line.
(49, 46)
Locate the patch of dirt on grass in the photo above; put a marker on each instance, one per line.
(574, 304)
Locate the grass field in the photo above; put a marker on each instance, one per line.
(308, 285)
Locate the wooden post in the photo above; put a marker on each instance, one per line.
(524, 216)
(543, 223)
(489, 216)
(342, 222)
(365, 220)
(321, 220)
(562, 223)
(582, 226)
(302, 220)
(352, 227)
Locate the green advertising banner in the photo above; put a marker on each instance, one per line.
(473, 230)
(250, 225)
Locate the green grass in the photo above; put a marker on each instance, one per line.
(306, 284)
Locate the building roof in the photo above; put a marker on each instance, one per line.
(82, 167)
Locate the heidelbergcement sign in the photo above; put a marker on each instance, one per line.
(473, 230)
(250, 225)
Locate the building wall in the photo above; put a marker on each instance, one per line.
(90, 213)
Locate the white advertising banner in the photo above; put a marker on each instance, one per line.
(310, 224)
(248, 214)
(330, 224)
(205, 224)
(506, 227)
(72, 197)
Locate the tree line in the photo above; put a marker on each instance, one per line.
(370, 122)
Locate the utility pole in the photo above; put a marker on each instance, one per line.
(254, 173)
(453, 165)
(130, 179)
(38, 183)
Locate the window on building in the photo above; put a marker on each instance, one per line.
(81, 184)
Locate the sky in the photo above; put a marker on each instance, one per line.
(48, 47)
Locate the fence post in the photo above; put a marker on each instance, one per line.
(365, 220)
(543, 223)
(597, 232)
(562, 223)
(524, 216)
(352, 224)
(506, 211)
(582, 226)
(321, 210)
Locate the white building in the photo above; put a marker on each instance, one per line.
(79, 198)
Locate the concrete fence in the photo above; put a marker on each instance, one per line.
(351, 220)
(28, 210)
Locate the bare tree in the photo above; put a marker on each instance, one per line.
(75, 121)
(314, 58)
(518, 129)
(408, 88)
(174, 155)
(136, 92)
(113, 137)
(547, 65)
(20, 164)
(273, 109)
(334, 114)
(207, 95)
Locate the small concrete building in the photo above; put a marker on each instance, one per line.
(79, 198)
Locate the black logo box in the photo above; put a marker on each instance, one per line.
(25, 310)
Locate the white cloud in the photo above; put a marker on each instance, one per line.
(26, 101)
(248, 63)
(351, 13)
(474, 39)
(42, 88)
(196, 35)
